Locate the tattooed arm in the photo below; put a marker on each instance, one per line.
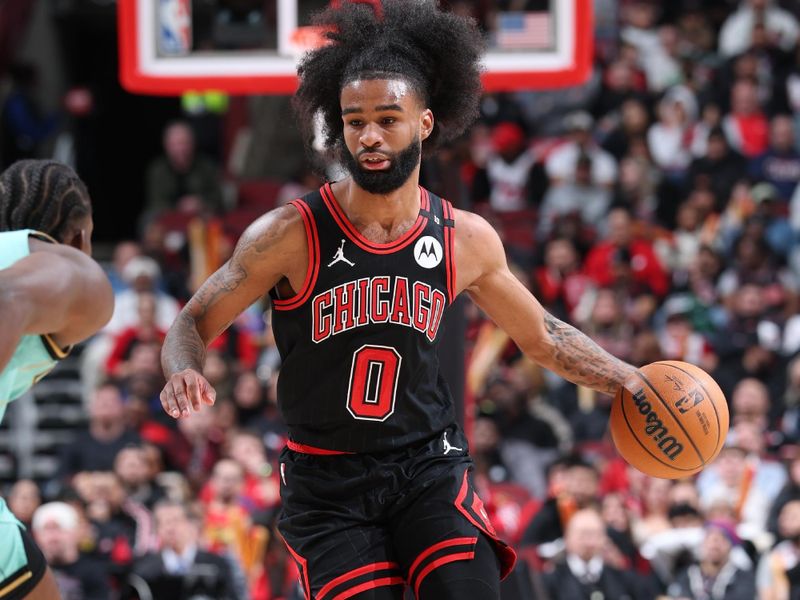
(482, 271)
(271, 249)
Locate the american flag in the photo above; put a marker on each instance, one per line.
(525, 30)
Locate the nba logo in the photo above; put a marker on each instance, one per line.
(175, 27)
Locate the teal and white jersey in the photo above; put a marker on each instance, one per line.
(35, 355)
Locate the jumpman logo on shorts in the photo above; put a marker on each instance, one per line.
(447, 446)
(339, 257)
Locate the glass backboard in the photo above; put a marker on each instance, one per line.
(169, 47)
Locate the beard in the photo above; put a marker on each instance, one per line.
(401, 165)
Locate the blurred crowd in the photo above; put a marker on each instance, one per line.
(655, 207)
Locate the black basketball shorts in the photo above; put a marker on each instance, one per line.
(362, 521)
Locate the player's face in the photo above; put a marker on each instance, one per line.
(384, 124)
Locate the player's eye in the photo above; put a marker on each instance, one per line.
(388, 120)
(354, 123)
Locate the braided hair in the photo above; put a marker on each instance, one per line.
(436, 53)
(44, 195)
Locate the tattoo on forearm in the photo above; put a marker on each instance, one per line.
(578, 358)
(184, 348)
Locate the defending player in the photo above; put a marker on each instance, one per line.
(376, 484)
(52, 295)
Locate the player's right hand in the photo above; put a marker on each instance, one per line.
(184, 392)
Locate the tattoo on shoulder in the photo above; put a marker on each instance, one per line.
(225, 280)
(234, 272)
(184, 348)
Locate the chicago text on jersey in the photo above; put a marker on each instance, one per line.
(377, 300)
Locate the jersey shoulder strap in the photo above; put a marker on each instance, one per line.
(439, 210)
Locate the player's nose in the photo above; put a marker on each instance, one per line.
(370, 136)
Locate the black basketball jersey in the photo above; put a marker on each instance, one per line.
(358, 342)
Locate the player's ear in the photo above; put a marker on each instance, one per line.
(78, 238)
(426, 123)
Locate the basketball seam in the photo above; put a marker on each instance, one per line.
(645, 448)
(713, 405)
(674, 418)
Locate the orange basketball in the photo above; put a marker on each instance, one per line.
(670, 419)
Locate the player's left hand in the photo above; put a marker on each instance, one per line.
(184, 392)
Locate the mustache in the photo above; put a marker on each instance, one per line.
(401, 165)
(370, 151)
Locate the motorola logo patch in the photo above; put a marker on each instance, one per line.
(428, 252)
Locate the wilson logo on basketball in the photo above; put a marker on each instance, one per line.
(655, 428)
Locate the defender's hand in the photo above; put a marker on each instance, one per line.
(184, 392)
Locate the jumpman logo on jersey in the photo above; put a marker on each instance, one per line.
(339, 257)
(447, 446)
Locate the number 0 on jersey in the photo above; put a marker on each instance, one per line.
(373, 382)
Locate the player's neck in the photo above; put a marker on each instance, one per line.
(387, 210)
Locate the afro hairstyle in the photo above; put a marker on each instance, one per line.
(436, 52)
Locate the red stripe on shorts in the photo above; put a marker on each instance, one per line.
(333, 583)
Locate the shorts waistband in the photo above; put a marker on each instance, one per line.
(306, 449)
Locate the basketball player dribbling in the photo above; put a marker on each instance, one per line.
(52, 295)
(376, 480)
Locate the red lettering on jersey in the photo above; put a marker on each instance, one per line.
(400, 312)
(363, 302)
(422, 311)
(345, 307)
(321, 323)
(379, 307)
(438, 303)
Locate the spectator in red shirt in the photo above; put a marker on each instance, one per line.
(746, 126)
(146, 330)
(560, 283)
(645, 269)
(509, 180)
